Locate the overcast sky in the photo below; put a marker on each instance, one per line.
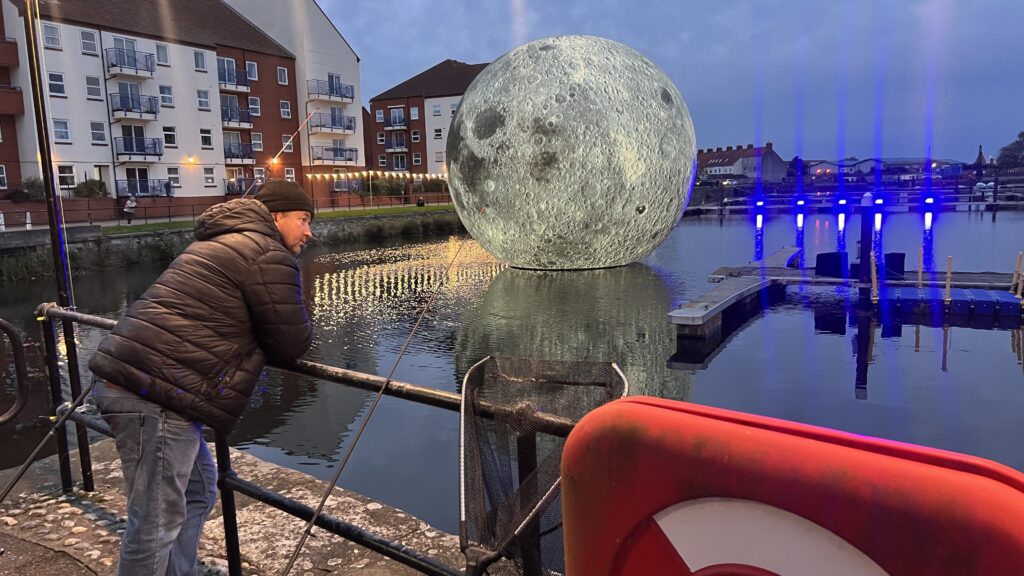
(822, 79)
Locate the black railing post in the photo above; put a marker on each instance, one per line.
(56, 398)
(529, 540)
(227, 504)
(81, 433)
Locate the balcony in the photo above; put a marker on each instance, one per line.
(334, 155)
(134, 106)
(235, 117)
(138, 149)
(395, 123)
(235, 153)
(232, 80)
(130, 63)
(8, 52)
(396, 145)
(332, 91)
(239, 186)
(323, 123)
(140, 188)
(11, 100)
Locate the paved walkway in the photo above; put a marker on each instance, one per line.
(46, 532)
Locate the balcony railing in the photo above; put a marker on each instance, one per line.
(395, 122)
(232, 77)
(134, 103)
(234, 151)
(396, 145)
(325, 89)
(130, 61)
(235, 114)
(239, 186)
(139, 146)
(335, 154)
(327, 121)
(140, 188)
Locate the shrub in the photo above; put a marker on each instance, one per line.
(33, 186)
(91, 189)
(18, 196)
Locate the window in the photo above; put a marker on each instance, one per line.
(252, 72)
(162, 55)
(416, 159)
(99, 132)
(89, 45)
(414, 113)
(170, 137)
(282, 75)
(286, 141)
(438, 133)
(400, 162)
(257, 141)
(166, 96)
(209, 178)
(51, 36)
(439, 156)
(380, 137)
(286, 109)
(200, 59)
(289, 174)
(92, 88)
(56, 84)
(455, 106)
(254, 105)
(437, 109)
(382, 160)
(61, 130)
(380, 115)
(66, 176)
(260, 174)
(203, 96)
(3, 177)
(206, 137)
(415, 135)
(174, 176)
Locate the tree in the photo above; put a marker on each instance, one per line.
(1012, 155)
(796, 167)
(91, 189)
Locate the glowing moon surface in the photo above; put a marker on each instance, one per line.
(571, 152)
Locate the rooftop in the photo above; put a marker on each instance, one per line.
(449, 78)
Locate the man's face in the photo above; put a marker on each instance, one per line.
(294, 228)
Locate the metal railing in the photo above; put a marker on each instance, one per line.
(130, 60)
(227, 480)
(135, 103)
(335, 153)
(395, 123)
(232, 76)
(235, 114)
(238, 186)
(154, 187)
(318, 88)
(20, 372)
(239, 151)
(140, 146)
(332, 121)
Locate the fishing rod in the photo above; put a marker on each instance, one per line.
(366, 420)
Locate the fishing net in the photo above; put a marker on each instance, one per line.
(515, 414)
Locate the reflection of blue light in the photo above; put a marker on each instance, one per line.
(927, 220)
(842, 222)
(760, 221)
(799, 202)
(878, 222)
(929, 200)
(878, 200)
(759, 203)
(842, 201)
(799, 220)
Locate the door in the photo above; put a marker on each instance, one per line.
(125, 55)
(134, 138)
(138, 181)
(334, 84)
(229, 107)
(336, 119)
(226, 70)
(233, 144)
(130, 95)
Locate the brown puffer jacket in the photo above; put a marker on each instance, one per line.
(197, 339)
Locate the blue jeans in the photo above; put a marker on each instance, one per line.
(169, 478)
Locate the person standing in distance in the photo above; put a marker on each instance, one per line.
(188, 352)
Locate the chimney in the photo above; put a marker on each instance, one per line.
(700, 151)
(768, 146)
(750, 146)
(719, 149)
(728, 148)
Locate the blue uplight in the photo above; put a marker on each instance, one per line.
(759, 203)
(929, 200)
(878, 201)
(842, 201)
(799, 202)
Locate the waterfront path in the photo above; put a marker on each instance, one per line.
(46, 532)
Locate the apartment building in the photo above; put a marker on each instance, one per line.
(326, 84)
(192, 99)
(410, 121)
